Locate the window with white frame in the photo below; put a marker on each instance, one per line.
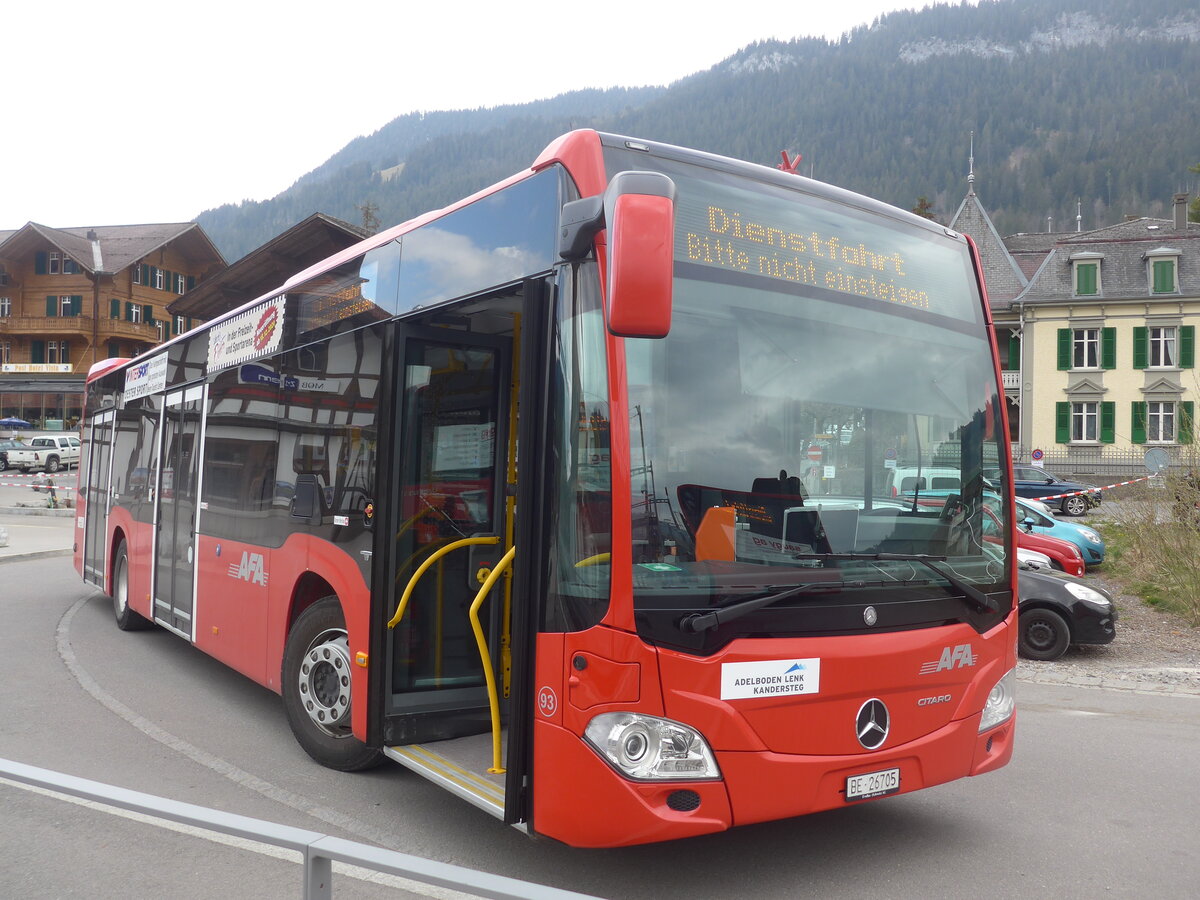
(180, 284)
(1160, 421)
(135, 313)
(5, 307)
(1162, 346)
(137, 273)
(160, 279)
(54, 263)
(1085, 419)
(5, 352)
(162, 330)
(52, 351)
(64, 305)
(1086, 348)
(180, 325)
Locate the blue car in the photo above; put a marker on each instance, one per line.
(1089, 542)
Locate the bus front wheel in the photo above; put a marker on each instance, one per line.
(316, 689)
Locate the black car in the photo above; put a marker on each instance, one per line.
(1034, 484)
(1057, 610)
(5, 446)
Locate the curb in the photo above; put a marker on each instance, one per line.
(36, 554)
(36, 511)
(1157, 688)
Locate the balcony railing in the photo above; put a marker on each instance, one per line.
(82, 325)
(1012, 380)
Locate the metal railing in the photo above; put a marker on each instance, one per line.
(319, 851)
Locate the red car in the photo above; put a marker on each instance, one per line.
(1063, 554)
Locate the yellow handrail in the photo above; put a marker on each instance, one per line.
(493, 699)
(424, 567)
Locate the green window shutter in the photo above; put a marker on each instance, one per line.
(114, 309)
(1141, 347)
(1108, 348)
(39, 262)
(1138, 429)
(51, 305)
(1085, 278)
(128, 310)
(191, 282)
(77, 304)
(1184, 428)
(147, 314)
(1187, 346)
(146, 275)
(1108, 422)
(37, 351)
(1164, 271)
(1062, 423)
(1014, 351)
(1064, 349)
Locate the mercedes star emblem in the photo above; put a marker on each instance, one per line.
(872, 724)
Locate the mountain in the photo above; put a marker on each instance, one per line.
(1070, 101)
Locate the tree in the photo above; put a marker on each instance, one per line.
(924, 208)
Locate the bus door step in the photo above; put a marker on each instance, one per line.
(441, 763)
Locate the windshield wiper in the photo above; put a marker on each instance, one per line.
(698, 622)
(977, 597)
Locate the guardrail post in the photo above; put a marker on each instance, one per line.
(318, 875)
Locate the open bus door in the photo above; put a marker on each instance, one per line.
(451, 525)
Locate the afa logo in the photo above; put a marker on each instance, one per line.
(252, 568)
(959, 657)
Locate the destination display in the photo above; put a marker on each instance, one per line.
(793, 239)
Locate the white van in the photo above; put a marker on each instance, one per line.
(907, 479)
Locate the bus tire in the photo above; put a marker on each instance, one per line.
(315, 685)
(127, 619)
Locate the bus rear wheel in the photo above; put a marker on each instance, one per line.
(316, 689)
(127, 619)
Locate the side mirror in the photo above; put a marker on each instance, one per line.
(638, 213)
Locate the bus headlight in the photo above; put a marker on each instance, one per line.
(647, 748)
(1000, 702)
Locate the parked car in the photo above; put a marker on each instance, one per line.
(907, 479)
(1088, 540)
(1035, 483)
(48, 452)
(5, 446)
(1031, 559)
(1063, 555)
(1055, 611)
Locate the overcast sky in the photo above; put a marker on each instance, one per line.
(128, 111)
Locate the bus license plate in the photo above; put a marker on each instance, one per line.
(873, 784)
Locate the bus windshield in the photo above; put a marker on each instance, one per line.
(817, 424)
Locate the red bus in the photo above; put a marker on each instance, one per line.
(574, 498)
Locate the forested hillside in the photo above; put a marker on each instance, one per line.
(1092, 100)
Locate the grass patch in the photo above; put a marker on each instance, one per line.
(1154, 549)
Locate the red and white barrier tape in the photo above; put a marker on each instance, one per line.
(1093, 490)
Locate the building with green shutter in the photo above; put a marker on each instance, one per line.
(1107, 330)
(70, 297)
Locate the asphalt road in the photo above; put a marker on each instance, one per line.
(1100, 798)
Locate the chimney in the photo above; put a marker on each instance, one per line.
(91, 235)
(1180, 203)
